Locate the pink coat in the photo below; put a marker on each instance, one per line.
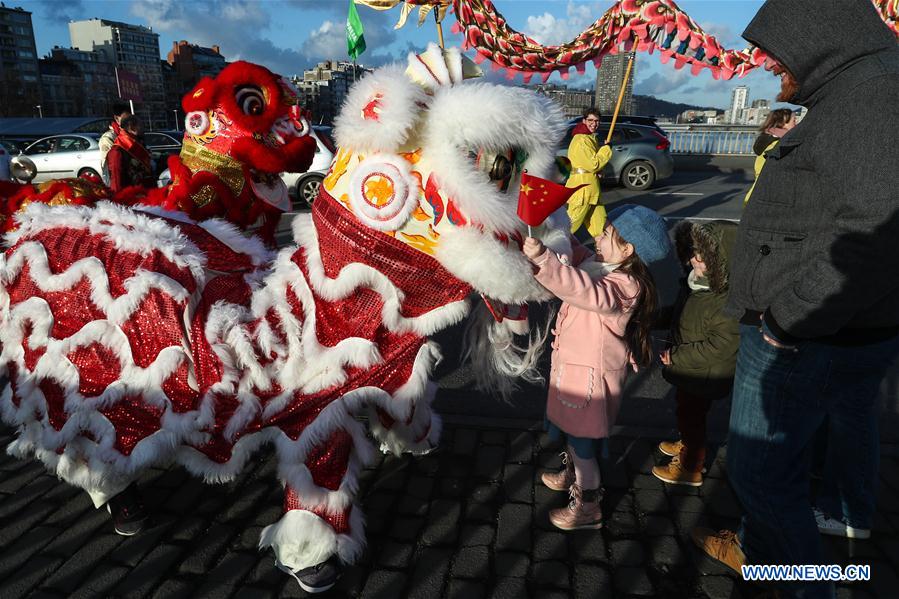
(590, 356)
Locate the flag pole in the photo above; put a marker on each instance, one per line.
(439, 26)
(627, 76)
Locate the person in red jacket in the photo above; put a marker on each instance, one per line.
(128, 160)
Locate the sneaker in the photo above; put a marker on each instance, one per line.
(128, 512)
(675, 474)
(318, 578)
(828, 525)
(563, 479)
(583, 510)
(723, 546)
(671, 448)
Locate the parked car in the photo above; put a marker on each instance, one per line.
(161, 145)
(5, 159)
(641, 155)
(14, 145)
(60, 156)
(303, 187)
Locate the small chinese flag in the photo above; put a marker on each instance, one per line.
(538, 198)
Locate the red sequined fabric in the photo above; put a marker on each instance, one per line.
(340, 522)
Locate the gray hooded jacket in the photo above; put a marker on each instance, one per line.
(818, 246)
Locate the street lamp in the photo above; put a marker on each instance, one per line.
(39, 111)
(177, 128)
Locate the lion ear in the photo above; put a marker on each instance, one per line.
(380, 112)
(201, 97)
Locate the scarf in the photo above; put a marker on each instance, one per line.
(597, 269)
(697, 283)
(135, 149)
(580, 129)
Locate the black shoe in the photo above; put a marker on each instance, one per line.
(318, 578)
(128, 512)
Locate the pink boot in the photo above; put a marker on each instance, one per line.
(563, 479)
(583, 511)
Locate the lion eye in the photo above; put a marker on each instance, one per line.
(250, 100)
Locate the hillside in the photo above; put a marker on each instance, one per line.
(652, 106)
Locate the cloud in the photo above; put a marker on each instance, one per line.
(61, 12)
(664, 82)
(548, 29)
(726, 36)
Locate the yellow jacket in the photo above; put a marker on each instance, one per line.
(585, 154)
(758, 166)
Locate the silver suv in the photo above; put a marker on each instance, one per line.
(641, 155)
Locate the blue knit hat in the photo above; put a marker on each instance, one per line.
(644, 229)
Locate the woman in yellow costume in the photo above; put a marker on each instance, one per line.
(587, 159)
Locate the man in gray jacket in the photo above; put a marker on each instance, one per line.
(815, 282)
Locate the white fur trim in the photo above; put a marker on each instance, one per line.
(301, 539)
(399, 106)
(505, 273)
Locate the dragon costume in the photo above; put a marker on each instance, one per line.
(139, 336)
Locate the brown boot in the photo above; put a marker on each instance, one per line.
(675, 474)
(583, 510)
(723, 546)
(564, 478)
(671, 448)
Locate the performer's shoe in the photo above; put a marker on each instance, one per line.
(128, 512)
(318, 578)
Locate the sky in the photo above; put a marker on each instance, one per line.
(289, 36)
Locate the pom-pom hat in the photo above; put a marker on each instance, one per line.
(644, 229)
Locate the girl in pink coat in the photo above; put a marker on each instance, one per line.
(608, 300)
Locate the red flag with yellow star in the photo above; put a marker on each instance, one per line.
(538, 198)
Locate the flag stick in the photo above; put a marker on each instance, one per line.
(439, 26)
(529, 231)
(627, 75)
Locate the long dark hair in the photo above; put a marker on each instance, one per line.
(777, 118)
(643, 308)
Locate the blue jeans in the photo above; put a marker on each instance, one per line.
(780, 399)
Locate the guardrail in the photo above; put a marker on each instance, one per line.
(711, 140)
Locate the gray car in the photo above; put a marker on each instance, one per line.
(641, 155)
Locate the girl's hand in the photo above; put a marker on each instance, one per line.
(533, 248)
(665, 357)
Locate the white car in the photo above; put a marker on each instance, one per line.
(303, 187)
(61, 156)
(5, 159)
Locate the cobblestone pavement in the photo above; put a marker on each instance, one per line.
(468, 521)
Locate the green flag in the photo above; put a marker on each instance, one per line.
(355, 41)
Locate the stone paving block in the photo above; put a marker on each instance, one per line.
(247, 540)
(23, 476)
(633, 581)
(380, 503)
(521, 447)
(614, 476)
(244, 504)
(489, 462)
(227, 574)
(265, 574)
(452, 487)
(687, 521)
(465, 441)
(430, 572)
(70, 540)
(654, 525)
(884, 582)
(420, 487)
(667, 551)
(29, 493)
(384, 583)
(518, 483)
(269, 514)
(650, 501)
(627, 553)
(687, 503)
(481, 512)
(26, 518)
(514, 530)
(70, 509)
(100, 582)
(471, 562)
(553, 573)
(549, 460)
(204, 553)
(406, 529)
(133, 549)
(411, 506)
(591, 581)
(646, 481)
(511, 564)
(395, 555)
(466, 589)
(189, 528)
(77, 567)
(177, 588)
(621, 524)
(476, 534)
(716, 587)
(509, 588)
(253, 592)
(442, 527)
(29, 575)
(16, 554)
(588, 546)
(427, 466)
(550, 546)
(457, 466)
(151, 571)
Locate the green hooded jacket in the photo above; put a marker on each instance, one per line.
(704, 355)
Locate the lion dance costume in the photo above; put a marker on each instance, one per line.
(147, 334)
